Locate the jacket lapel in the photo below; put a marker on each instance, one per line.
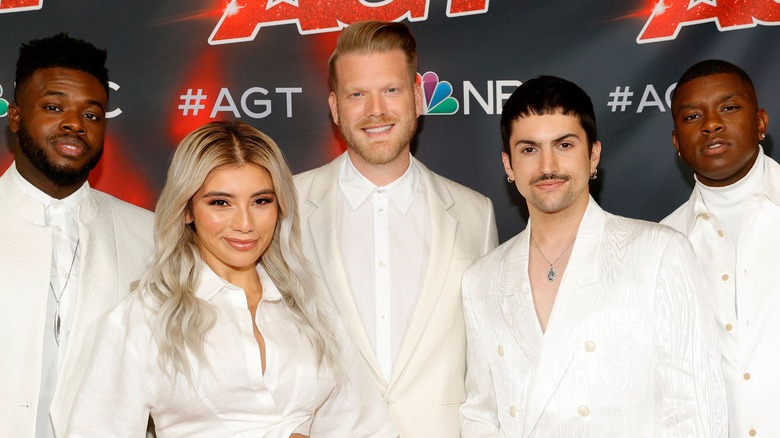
(443, 227)
(578, 293)
(516, 302)
(321, 225)
(99, 290)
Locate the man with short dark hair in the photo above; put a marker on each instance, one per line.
(67, 252)
(731, 220)
(585, 324)
(390, 238)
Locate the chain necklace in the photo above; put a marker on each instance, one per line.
(551, 274)
(57, 321)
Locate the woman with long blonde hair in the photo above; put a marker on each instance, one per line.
(225, 335)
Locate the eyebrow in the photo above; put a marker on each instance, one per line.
(230, 195)
(62, 94)
(557, 140)
(694, 105)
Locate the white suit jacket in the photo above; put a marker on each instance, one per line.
(426, 388)
(630, 349)
(116, 238)
(743, 282)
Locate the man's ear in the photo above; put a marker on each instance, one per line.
(763, 121)
(595, 155)
(14, 118)
(510, 173)
(334, 107)
(674, 142)
(418, 103)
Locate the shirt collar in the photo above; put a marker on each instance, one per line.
(357, 188)
(755, 179)
(71, 202)
(211, 284)
(731, 198)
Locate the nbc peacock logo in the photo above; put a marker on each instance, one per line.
(3, 104)
(437, 95)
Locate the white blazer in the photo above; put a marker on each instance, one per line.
(426, 388)
(630, 349)
(745, 292)
(116, 238)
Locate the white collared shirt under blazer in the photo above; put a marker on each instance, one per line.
(630, 349)
(425, 389)
(231, 396)
(744, 289)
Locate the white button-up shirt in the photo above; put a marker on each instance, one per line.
(62, 216)
(230, 397)
(384, 235)
(745, 294)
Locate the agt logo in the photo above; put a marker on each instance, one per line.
(242, 19)
(439, 99)
(669, 16)
(19, 5)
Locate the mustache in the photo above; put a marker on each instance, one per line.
(550, 176)
(72, 138)
(379, 120)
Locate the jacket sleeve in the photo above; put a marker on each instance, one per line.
(491, 240)
(688, 374)
(113, 399)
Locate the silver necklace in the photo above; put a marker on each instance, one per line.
(57, 299)
(551, 274)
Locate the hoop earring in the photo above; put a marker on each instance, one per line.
(509, 180)
(594, 175)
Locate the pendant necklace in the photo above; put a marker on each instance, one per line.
(57, 299)
(551, 274)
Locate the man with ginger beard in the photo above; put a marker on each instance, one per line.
(67, 252)
(390, 238)
(731, 220)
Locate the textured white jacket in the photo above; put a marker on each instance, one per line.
(630, 348)
(116, 238)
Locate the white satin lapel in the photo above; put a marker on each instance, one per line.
(578, 293)
(321, 224)
(516, 302)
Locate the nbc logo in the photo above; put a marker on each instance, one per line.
(3, 104)
(437, 95)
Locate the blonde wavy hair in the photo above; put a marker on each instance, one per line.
(167, 288)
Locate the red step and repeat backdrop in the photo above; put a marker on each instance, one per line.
(177, 64)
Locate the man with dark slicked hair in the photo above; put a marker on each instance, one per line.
(67, 252)
(585, 324)
(731, 219)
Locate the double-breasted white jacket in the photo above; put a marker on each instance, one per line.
(630, 348)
